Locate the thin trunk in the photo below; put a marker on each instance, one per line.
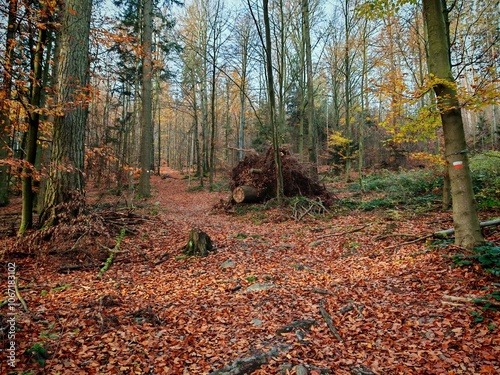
(147, 110)
(4, 104)
(34, 122)
(272, 103)
(312, 129)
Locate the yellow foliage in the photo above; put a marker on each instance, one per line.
(431, 160)
(336, 139)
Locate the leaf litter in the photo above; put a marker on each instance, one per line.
(194, 316)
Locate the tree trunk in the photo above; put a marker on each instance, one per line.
(272, 103)
(311, 126)
(465, 220)
(4, 102)
(34, 122)
(66, 179)
(147, 105)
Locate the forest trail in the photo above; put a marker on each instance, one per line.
(157, 312)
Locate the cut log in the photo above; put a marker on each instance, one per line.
(199, 243)
(245, 194)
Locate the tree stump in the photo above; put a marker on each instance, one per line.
(245, 194)
(199, 243)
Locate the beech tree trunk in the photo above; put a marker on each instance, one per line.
(467, 230)
(66, 179)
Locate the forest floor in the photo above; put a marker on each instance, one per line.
(268, 288)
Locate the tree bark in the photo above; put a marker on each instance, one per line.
(34, 122)
(465, 220)
(199, 243)
(4, 101)
(311, 126)
(66, 178)
(147, 103)
(272, 102)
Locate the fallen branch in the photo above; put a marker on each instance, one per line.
(112, 254)
(23, 302)
(247, 365)
(163, 258)
(322, 291)
(75, 267)
(409, 242)
(329, 322)
(475, 300)
(447, 232)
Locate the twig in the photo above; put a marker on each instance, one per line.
(381, 237)
(322, 291)
(346, 232)
(23, 302)
(409, 242)
(162, 259)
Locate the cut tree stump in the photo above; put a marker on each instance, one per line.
(199, 243)
(246, 194)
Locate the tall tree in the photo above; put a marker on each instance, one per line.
(147, 106)
(33, 123)
(272, 101)
(66, 180)
(5, 96)
(312, 128)
(467, 230)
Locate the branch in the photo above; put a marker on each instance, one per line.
(23, 302)
(329, 322)
(342, 233)
(445, 233)
(475, 300)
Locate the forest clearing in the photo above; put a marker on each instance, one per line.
(396, 306)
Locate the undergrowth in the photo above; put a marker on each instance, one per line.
(485, 171)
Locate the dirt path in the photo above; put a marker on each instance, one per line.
(195, 315)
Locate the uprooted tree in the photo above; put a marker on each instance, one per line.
(254, 178)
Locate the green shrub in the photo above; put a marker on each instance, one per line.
(485, 171)
(402, 184)
(487, 256)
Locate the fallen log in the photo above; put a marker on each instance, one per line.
(245, 194)
(447, 232)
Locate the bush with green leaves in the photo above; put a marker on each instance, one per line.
(402, 184)
(485, 171)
